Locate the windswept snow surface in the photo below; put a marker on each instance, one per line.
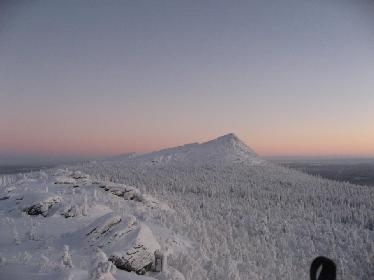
(216, 211)
(61, 224)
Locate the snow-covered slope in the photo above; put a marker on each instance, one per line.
(215, 210)
(223, 150)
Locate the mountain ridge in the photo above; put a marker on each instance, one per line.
(223, 149)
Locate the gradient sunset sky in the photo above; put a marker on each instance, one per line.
(292, 77)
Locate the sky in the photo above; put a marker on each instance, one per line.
(90, 78)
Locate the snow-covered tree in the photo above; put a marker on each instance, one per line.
(66, 259)
(25, 257)
(85, 206)
(102, 269)
(2, 260)
(33, 234)
(17, 239)
(44, 264)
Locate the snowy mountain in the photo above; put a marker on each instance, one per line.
(214, 210)
(223, 150)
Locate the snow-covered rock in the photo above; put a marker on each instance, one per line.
(127, 192)
(130, 244)
(138, 253)
(64, 179)
(71, 177)
(71, 210)
(102, 226)
(78, 175)
(38, 203)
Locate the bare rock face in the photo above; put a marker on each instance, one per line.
(39, 203)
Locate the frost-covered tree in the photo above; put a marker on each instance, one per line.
(66, 259)
(25, 257)
(44, 264)
(33, 233)
(102, 269)
(85, 206)
(17, 239)
(254, 219)
(2, 261)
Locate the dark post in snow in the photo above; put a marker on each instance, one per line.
(322, 268)
(159, 260)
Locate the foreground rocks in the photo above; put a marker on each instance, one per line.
(139, 255)
(130, 244)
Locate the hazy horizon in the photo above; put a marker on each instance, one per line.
(83, 79)
(53, 159)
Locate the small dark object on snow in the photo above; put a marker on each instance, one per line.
(159, 260)
(322, 268)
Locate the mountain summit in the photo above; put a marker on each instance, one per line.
(225, 149)
(232, 143)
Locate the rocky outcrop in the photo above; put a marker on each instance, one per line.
(39, 203)
(102, 227)
(129, 243)
(71, 177)
(78, 175)
(127, 192)
(139, 254)
(132, 193)
(65, 180)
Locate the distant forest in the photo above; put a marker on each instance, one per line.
(359, 172)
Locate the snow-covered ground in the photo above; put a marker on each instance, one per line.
(214, 210)
(62, 224)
